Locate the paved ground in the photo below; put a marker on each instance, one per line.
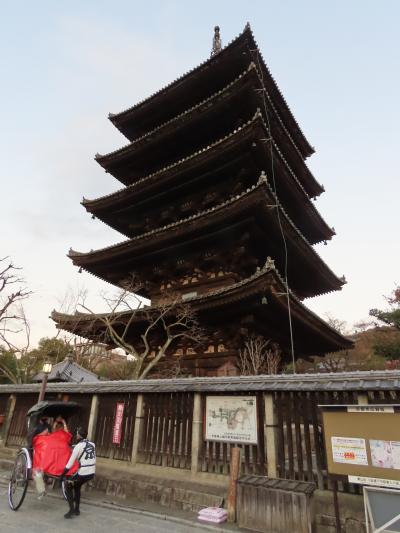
(46, 516)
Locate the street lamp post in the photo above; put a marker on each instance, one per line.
(46, 371)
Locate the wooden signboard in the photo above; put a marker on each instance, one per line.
(362, 442)
(231, 419)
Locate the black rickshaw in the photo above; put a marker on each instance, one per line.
(22, 470)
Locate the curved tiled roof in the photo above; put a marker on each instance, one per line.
(362, 381)
(198, 106)
(115, 118)
(178, 117)
(175, 167)
(203, 301)
(183, 223)
(68, 371)
(314, 188)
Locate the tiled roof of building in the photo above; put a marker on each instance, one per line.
(68, 371)
(373, 380)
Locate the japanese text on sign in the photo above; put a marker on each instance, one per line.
(231, 419)
(119, 415)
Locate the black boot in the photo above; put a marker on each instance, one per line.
(70, 514)
(77, 511)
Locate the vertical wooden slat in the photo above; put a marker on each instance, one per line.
(307, 438)
(183, 450)
(178, 415)
(319, 451)
(190, 429)
(280, 435)
(289, 436)
(295, 402)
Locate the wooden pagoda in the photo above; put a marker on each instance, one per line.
(217, 205)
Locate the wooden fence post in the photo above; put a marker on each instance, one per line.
(362, 398)
(232, 490)
(197, 432)
(12, 400)
(94, 409)
(271, 435)
(138, 428)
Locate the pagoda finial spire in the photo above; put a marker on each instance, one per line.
(217, 43)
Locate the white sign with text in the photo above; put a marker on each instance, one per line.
(231, 419)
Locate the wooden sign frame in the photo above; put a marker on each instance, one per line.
(362, 443)
(224, 422)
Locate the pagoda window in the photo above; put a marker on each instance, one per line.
(210, 349)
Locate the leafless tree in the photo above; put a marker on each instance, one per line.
(259, 356)
(339, 325)
(14, 324)
(334, 362)
(159, 329)
(13, 292)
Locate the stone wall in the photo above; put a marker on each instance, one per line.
(351, 510)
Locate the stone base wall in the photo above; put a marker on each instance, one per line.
(192, 495)
(178, 494)
(351, 511)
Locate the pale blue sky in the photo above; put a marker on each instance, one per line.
(65, 65)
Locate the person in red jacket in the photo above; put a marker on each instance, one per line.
(51, 451)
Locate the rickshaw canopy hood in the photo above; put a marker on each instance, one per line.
(47, 408)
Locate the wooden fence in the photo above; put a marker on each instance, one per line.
(167, 430)
(170, 432)
(103, 435)
(18, 427)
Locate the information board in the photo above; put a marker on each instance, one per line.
(362, 442)
(231, 419)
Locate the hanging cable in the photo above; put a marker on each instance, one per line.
(270, 139)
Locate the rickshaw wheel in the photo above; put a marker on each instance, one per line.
(18, 484)
(63, 489)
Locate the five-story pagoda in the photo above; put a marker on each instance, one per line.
(216, 206)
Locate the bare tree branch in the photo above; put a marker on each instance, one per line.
(259, 356)
(148, 334)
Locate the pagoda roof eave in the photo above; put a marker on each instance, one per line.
(118, 119)
(174, 168)
(130, 246)
(135, 148)
(266, 278)
(232, 87)
(131, 190)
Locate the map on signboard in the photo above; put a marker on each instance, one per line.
(231, 419)
(349, 450)
(385, 453)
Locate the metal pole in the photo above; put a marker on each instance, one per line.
(336, 506)
(43, 387)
